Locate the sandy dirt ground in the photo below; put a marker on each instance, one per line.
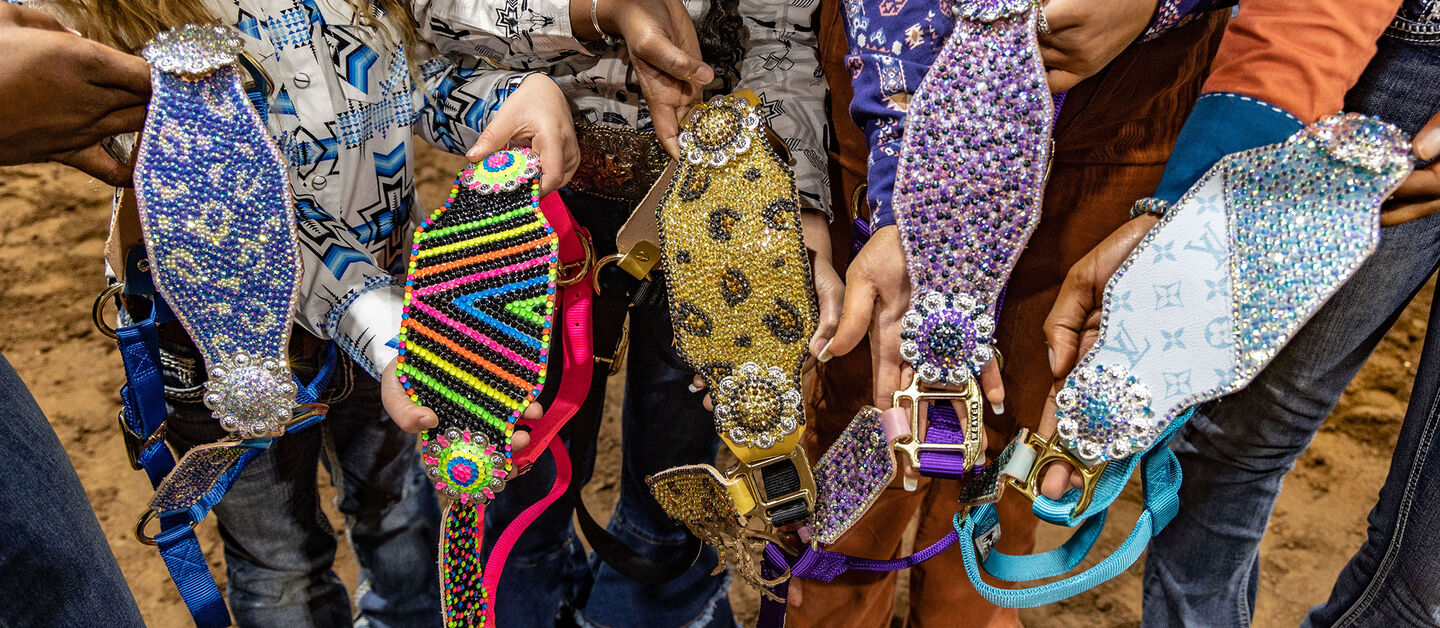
(53, 223)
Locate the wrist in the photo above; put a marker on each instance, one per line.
(596, 20)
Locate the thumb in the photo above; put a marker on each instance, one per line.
(494, 138)
(1066, 320)
(406, 414)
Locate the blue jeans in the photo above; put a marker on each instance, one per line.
(548, 577)
(55, 566)
(280, 548)
(1203, 570)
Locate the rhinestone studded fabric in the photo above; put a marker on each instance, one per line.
(699, 498)
(969, 183)
(1299, 218)
(476, 322)
(851, 476)
(738, 275)
(214, 203)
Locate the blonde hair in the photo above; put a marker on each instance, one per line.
(128, 24)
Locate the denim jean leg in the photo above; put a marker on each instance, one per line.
(1235, 452)
(55, 567)
(391, 513)
(665, 425)
(1394, 579)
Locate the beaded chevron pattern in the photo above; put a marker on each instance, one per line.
(969, 183)
(475, 331)
(474, 343)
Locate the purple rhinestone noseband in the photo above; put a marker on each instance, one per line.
(967, 197)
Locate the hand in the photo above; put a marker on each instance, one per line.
(64, 93)
(1085, 36)
(537, 115)
(829, 289)
(1419, 195)
(664, 51)
(412, 417)
(1074, 325)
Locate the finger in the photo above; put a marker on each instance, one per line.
(108, 67)
(97, 163)
(697, 384)
(32, 18)
(992, 386)
(1427, 141)
(1059, 80)
(661, 54)
(1066, 319)
(406, 414)
(551, 152)
(888, 376)
(493, 138)
(667, 128)
(708, 403)
(856, 310)
(519, 440)
(533, 412)
(1422, 184)
(127, 120)
(1406, 213)
(830, 295)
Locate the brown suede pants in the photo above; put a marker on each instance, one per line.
(1113, 136)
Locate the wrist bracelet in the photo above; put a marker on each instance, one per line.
(1149, 205)
(595, 22)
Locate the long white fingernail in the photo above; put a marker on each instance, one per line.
(999, 408)
(694, 389)
(825, 353)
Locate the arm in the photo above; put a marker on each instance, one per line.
(889, 55)
(781, 65)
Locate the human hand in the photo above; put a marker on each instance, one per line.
(1073, 326)
(1085, 36)
(64, 94)
(664, 52)
(537, 115)
(1419, 195)
(413, 417)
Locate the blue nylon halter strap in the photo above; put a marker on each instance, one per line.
(1160, 476)
(143, 415)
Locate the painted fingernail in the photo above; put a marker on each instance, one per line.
(825, 353)
(1427, 145)
(695, 389)
(1051, 353)
(999, 408)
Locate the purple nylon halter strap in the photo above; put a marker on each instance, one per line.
(945, 427)
(823, 565)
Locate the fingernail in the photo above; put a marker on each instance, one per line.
(429, 422)
(704, 74)
(1427, 145)
(694, 389)
(825, 353)
(999, 408)
(1051, 353)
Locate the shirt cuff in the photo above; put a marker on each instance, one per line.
(1172, 14)
(368, 327)
(1221, 123)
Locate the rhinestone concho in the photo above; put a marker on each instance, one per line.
(947, 339)
(757, 407)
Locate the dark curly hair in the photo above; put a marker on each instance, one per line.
(723, 39)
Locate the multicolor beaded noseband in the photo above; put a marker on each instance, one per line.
(967, 197)
(474, 345)
(743, 306)
(214, 201)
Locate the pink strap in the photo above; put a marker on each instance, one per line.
(574, 316)
(896, 423)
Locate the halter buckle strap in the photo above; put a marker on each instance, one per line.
(1033, 453)
(972, 456)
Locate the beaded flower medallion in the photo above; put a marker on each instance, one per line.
(214, 202)
(1234, 269)
(476, 324)
(969, 183)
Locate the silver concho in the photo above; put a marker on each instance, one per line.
(1104, 413)
(251, 397)
(757, 407)
(947, 338)
(715, 133)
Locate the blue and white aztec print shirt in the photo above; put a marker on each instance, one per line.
(343, 109)
(780, 63)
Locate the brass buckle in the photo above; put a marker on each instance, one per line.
(145, 520)
(97, 311)
(133, 445)
(638, 261)
(911, 445)
(1048, 450)
(755, 482)
(571, 273)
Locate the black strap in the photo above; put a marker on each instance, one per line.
(618, 290)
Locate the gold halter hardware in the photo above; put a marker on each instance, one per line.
(1049, 450)
(917, 398)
